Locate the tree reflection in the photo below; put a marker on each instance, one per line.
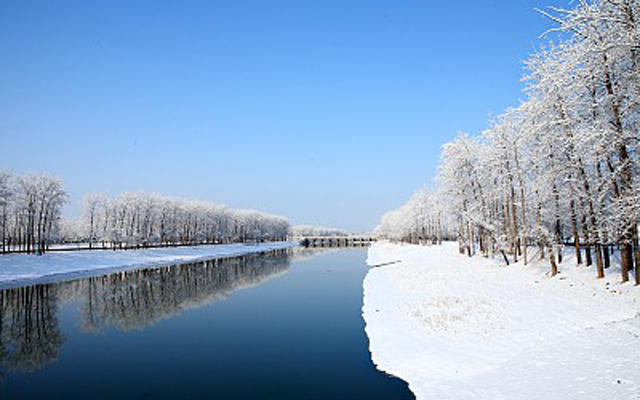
(30, 337)
(302, 253)
(136, 299)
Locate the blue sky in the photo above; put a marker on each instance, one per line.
(327, 112)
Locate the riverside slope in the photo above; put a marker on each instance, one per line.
(20, 269)
(455, 327)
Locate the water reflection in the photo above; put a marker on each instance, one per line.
(30, 337)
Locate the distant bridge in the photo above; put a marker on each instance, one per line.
(336, 241)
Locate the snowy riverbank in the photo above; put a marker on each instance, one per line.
(17, 269)
(460, 328)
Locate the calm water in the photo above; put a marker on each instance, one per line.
(283, 325)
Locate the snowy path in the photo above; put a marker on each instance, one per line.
(459, 328)
(17, 269)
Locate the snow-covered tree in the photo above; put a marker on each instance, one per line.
(147, 219)
(562, 167)
(316, 231)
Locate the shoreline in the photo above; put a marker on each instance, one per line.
(17, 270)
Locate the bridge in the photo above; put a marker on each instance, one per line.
(336, 241)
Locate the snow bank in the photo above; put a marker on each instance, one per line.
(18, 269)
(460, 328)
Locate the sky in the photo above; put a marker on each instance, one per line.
(328, 112)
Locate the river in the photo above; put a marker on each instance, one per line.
(280, 325)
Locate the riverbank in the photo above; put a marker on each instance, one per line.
(455, 327)
(19, 269)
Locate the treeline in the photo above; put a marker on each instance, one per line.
(560, 169)
(31, 219)
(30, 209)
(316, 231)
(422, 220)
(147, 219)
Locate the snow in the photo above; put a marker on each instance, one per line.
(18, 269)
(455, 327)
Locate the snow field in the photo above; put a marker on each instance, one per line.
(17, 269)
(455, 327)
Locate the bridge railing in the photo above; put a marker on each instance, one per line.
(336, 241)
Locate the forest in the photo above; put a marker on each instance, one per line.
(31, 219)
(558, 171)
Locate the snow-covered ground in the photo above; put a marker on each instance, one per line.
(16, 269)
(460, 328)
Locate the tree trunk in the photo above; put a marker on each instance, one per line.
(4, 229)
(626, 260)
(552, 260)
(514, 220)
(506, 259)
(636, 252)
(626, 187)
(576, 236)
(470, 240)
(599, 265)
(541, 244)
(587, 241)
(523, 230)
(559, 241)
(523, 222)
(558, 233)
